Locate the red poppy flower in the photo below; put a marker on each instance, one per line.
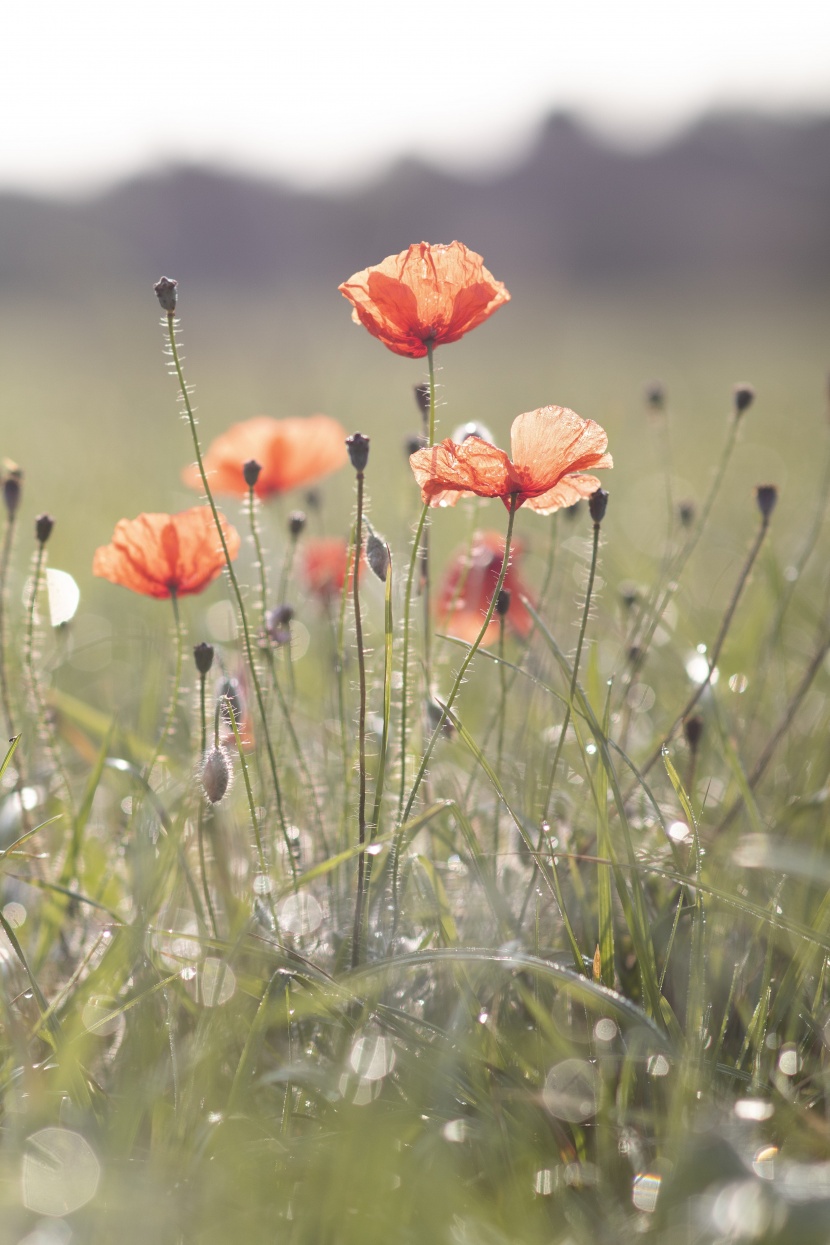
(468, 586)
(428, 294)
(290, 452)
(550, 446)
(326, 565)
(165, 554)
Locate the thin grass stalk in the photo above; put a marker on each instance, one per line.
(407, 631)
(170, 715)
(249, 650)
(361, 728)
(501, 718)
(459, 678)
(5, 560)
(200, 820)
(38, 699)
(263, 864)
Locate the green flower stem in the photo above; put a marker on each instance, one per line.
(361, 729)
(263, 863)
(246, 631)
(407, 629)
(462, 670)
(43, 718)
(200, 824)
(502, 714)
(5, 558)
(174, 695)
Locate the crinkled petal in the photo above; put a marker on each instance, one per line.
(474, 466)
(291, 452)
(552, 442)
(159, 554)
(567, 492)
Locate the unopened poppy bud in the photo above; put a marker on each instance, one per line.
(413, 443)
(686, 512)
(693, 731)
(422, 397)
(503, 603)
(278, 624)
(358, 446)
(230, 691)
(167, 294)
(656, 395)
(12, 486)
(377, 555)
(296, 522)
(598, 504)
(216, 774)
(472, 428)
(43, 528)
(742, 397)
(250, 472)
(766, 496)
(203, 657)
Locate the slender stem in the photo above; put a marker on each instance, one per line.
(174, 695)
(249, 648)
(38, 699)
(260, 560)
(361, 730)
(462, 670)
(200, 824)
(502, 714)
(5, 558)
(263, 864)
(407, 626)
(425, 576)
(714, 653)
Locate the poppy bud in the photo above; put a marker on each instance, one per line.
(597, 505)
(313, 499)
(296, 522)
(11, 491)
(686, 512)
(422, 397)
(278, 624)
(656, 395)
(503, 603)
(230, 691)
(167, 294)
(203, 657)
(377, 555)
(216, 774)
(413, 443)
(766, 495)
(472, 429)
(358, 446)
(693, 731)
(250, 472)
(742, 397)
(43, 528)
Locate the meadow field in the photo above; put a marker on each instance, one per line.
(464, 954)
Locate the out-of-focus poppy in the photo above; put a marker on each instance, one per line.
(290, 452)
(550, 446)
(426, 295)
(325, 564)
(468, 586)
(162, 555)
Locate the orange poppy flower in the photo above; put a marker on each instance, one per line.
(468, 586)
(325, 564)
(550, 447)
(428, 294)
(290, 452)
(165, 554)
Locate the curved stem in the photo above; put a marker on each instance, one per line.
(246, 632)
(361, 730)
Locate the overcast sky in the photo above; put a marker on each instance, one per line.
(93, 89)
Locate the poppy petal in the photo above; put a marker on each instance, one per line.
(474, 466)
(551, 442)
(567, 492)
(291, 452)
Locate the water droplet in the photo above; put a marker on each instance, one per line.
(789, 1061)
(455, 1130)
(753, 1109)
(605, 1030)
(738, 683)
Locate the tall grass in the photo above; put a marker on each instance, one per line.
(579, 993)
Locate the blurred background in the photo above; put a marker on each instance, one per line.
(651, 182)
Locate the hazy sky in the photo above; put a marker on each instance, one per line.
(93, 89)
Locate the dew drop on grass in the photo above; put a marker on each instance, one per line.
(605, 1030)
(572, 1090)
(543, 1182)
(789, 1060)
(679, 832)
(455, 1130)
(15, 914)
(372, 1058)
(738, 683)
(753, 1109)
(591, 749)
(60, 1172)
(658, 1065)
(300, 914)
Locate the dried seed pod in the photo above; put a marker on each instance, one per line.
(167, 294)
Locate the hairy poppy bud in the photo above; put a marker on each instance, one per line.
(686, 512)
(413, 443)
(358, 446)
(503, 603)
(203, 657)
(742, 397)
(250, 472)
(167, 294)
(422, 397)
(278, 624)
(598, 504)
(216, 774)
(472, 428)
(230, 691)
(693, 731)
(377, 555)
(656, 395)
(296, 522)
(766, 495)
(43, 528)
(12, 486)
